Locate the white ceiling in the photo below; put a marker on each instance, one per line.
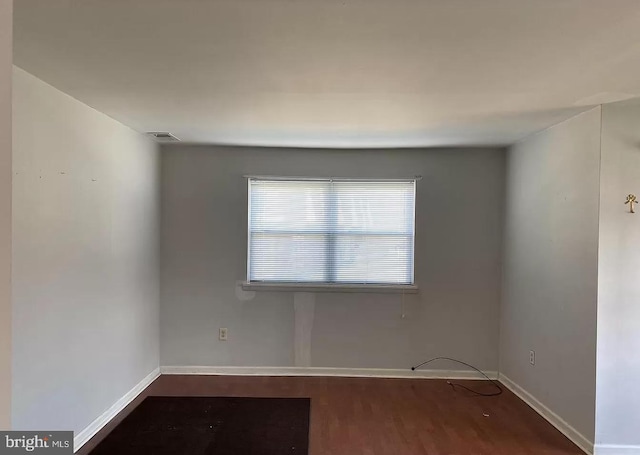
(335, 73)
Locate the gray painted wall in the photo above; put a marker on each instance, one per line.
(457, 263)
(85, 273)
(551, 267)
(6, 19)
(618, 400)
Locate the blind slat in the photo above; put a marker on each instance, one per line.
(323, 231)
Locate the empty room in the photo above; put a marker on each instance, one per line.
(320, 227)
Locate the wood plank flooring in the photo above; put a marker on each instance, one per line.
(351, 416)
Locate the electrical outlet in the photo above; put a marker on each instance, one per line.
(222, 334)
(532, 357)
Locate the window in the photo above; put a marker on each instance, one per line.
(331, 231)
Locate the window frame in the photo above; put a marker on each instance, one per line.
(299, 286)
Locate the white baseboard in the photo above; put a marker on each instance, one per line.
(610, 449)
(554, 419)
(81, 438)
(319, 371)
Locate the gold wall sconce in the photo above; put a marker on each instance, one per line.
(631, 199)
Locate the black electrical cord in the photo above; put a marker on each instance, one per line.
(494, 383)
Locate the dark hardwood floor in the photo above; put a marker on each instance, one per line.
(352, 416)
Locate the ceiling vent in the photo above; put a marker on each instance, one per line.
(161, 136)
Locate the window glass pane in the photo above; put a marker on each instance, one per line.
(284, 206)
(373, 259)
(374, 207)
(288, 258)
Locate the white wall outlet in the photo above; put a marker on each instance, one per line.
(532, 357)
(222, 334)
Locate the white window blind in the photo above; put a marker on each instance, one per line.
(331, 231)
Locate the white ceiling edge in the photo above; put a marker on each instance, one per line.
(494, 130)
(490, 131)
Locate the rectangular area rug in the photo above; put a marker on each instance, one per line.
(212, 426)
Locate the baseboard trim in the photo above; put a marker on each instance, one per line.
(319, 371)
(554, 419)
(611, 449)
(81, 438)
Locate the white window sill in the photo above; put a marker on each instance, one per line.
(320, 287)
